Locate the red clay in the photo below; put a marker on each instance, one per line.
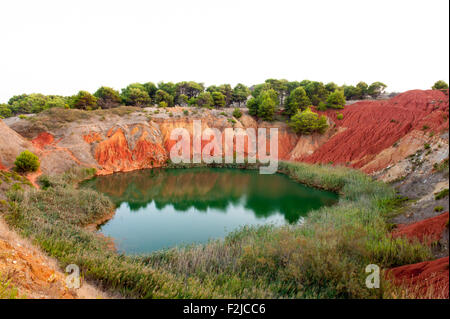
(428, 230)
(42, 140)
(427, 279)
(372, 126)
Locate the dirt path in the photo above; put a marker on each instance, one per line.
(34, 274)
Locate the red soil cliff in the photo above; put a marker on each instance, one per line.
(427, 279)
(428, 230)
(372, 126)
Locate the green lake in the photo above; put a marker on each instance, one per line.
(163, 208)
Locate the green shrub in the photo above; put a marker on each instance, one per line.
(186, 112)
(136, 95)
(297, 100)
(35, 103)
(322, 106)
(264, 105)
(440, 85)
(7, 291)
(442, 194)
(27, 162)
(340, 116)
(307, 122)
(219, 99)
(204, 99)
(162, 96)
(438, 209)
(336, 100)
(442, 166)
(5, 111)
(163, 104)
(426, 146)
(376, 89)
(237, 113)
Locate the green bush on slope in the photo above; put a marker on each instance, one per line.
(27, 162)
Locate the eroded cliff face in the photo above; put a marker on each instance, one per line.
(128, 148)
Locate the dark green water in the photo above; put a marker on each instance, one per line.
(162, 208)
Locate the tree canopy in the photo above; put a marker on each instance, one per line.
(440, 85)
(376, 89)
(290, 96)
(307, 122)
(136, 96)
(107, 97)
(84, 101)
(336, 100)
(297, 100)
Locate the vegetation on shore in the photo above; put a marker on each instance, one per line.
(7, 290)
(323, 258)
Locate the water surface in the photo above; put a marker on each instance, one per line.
(162, 208)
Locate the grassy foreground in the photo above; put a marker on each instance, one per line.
(325, 257)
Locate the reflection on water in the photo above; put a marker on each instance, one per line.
(162, 208)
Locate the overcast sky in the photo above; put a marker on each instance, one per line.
(60, 47)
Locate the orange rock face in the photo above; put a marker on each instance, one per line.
(113, 154)
(146, 153)
(116, 154)
(43, 139)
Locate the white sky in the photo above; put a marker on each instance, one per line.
(60, 47)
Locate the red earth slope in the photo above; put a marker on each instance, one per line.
(428, 279)
(372, 126)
